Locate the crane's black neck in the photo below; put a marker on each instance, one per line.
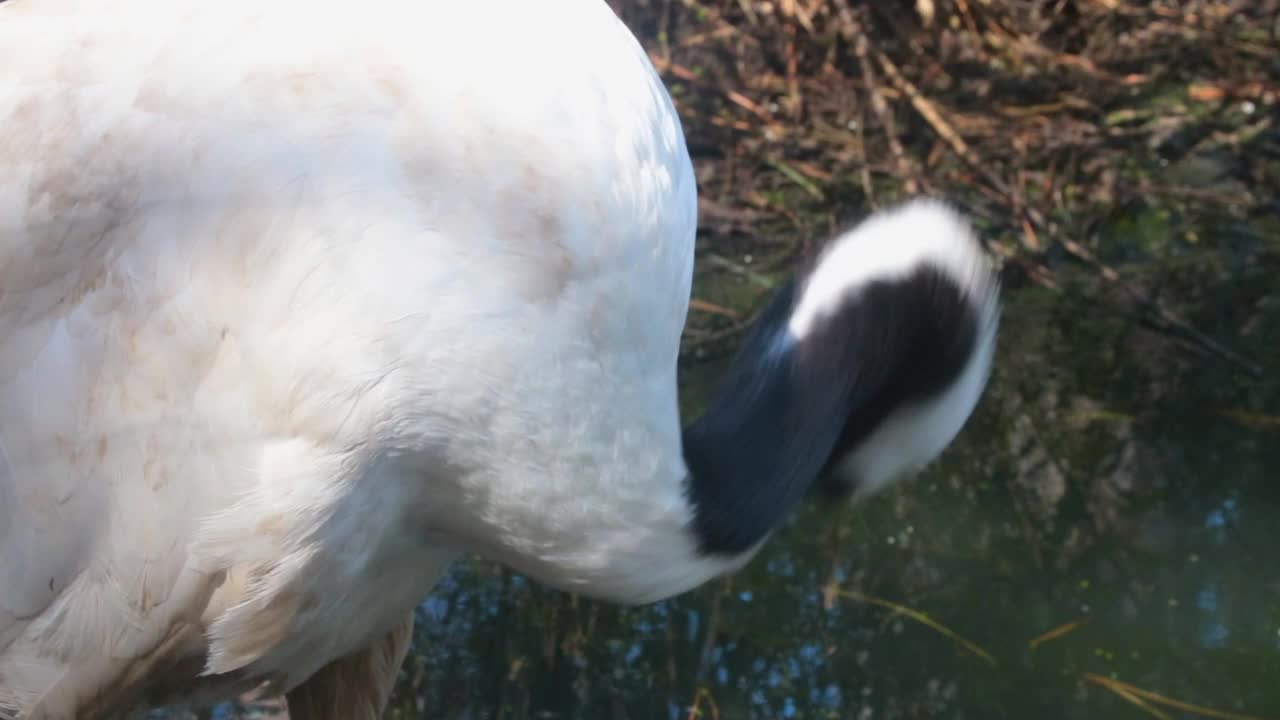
(788, 407)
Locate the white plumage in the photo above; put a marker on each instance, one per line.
(301, 298)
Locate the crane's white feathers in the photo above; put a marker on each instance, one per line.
(283, 287)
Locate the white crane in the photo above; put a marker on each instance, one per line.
(299, 299)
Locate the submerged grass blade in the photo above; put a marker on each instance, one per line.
(763, 281)
(1120, 688)
(710, 307)
(695, 707)
(921, 618)
(1259, 421)
(1139, 702)
(796, 177)
(1057, 632)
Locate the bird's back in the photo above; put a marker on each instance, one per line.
(236, 239)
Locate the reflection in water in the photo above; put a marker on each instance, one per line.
(1111, 510)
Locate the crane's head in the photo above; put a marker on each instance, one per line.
(862, 369)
